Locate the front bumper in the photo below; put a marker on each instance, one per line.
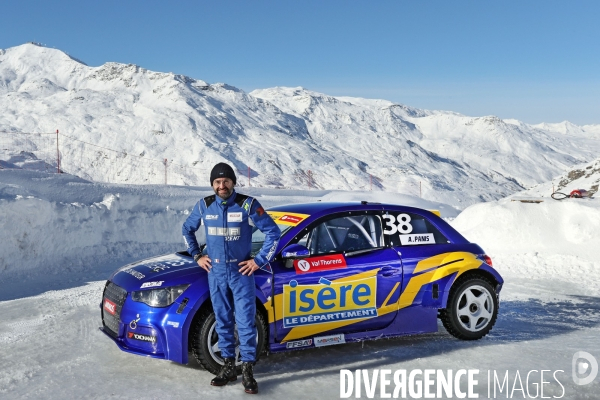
(140, 329)
(121, 344)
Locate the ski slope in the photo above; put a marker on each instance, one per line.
(62, 236)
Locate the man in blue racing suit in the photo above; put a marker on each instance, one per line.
(228, 218)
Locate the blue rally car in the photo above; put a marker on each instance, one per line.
(343, 272)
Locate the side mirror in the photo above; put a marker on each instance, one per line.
(295, 251)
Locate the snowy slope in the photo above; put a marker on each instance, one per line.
(483, 157)
(280, 133)
(51, 348)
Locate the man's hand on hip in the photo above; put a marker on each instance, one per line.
(205, 263)
(248, 267)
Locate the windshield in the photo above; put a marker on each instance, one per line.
(258, 238)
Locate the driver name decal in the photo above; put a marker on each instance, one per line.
(419, 238)
(322, 263)
(329, 301)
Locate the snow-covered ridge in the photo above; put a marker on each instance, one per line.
(279, 133)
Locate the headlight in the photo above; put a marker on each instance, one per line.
(162, 297)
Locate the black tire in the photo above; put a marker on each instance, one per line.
(471, 310)
(203, 339)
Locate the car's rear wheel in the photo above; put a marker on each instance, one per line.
(204, 341)
(471, 310)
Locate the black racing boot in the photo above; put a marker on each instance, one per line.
(250, 385)
(226, 374)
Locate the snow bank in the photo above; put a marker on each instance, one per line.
(550, 241)
(567, 227)
(59, 224)
(45, 233)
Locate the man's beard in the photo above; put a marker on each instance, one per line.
(224, 194)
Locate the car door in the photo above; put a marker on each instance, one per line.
(350, 281)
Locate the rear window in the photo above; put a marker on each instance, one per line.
(407, 229)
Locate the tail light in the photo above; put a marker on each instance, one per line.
(487, 260)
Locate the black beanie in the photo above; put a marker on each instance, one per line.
(222, 170)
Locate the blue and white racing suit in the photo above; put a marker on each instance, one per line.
(228, 226)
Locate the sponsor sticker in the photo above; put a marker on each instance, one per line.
(157, 267)
(322, 263)
(173, 324)
(234, 217)
(134, 273)
(227, 232)
(110, 306)
(143, 338)
(285, 218)
(329, 301)
(151, 284)
(299, 343)
(211, 216)
(321, 341)
(417, 238)
(290, 218)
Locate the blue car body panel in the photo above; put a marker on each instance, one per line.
(388, 291)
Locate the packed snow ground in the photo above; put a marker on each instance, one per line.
(62, 236)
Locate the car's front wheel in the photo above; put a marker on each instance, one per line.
(204, 341)
(471, 310)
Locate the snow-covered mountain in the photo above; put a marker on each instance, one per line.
(280, 133)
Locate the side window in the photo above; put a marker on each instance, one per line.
(348, 233)
(407, 229)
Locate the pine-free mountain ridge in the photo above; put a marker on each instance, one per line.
(280, 133)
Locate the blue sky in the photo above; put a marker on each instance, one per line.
(537, 61)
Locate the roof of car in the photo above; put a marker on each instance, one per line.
(317, 207)
(312, 208)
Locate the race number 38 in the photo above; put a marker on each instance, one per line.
(400, 224)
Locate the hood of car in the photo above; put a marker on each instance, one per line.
(162, 271)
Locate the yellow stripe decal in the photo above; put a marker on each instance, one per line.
(464, 262)
(390, 295)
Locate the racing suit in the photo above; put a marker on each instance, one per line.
(228, 225)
